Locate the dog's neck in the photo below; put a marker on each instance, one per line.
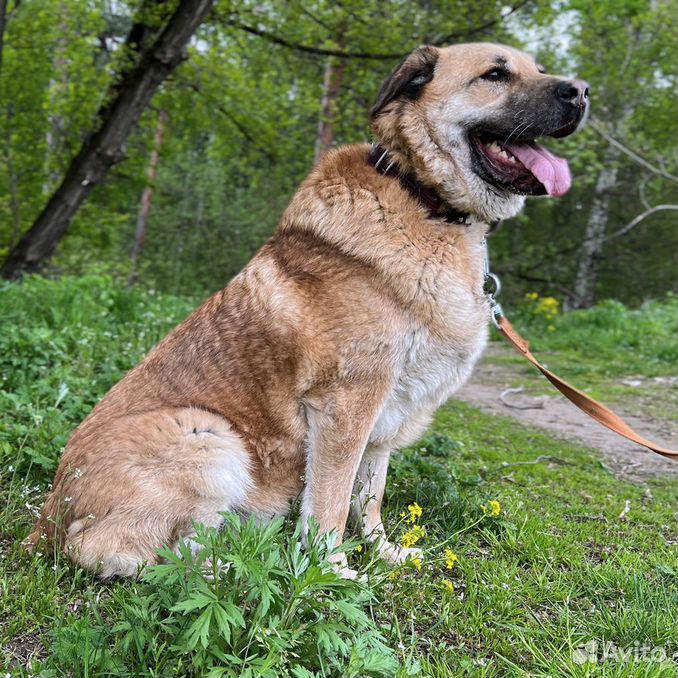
(382, 161)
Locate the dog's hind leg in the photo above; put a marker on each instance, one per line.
(368, 492)
(164, 471)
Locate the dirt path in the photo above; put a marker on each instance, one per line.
(562, 419)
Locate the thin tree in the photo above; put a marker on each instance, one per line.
(147, 197)
(332, 83)
(156, 51)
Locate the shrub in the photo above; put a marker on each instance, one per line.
(63, 344)
(623, 340)
(251, 602)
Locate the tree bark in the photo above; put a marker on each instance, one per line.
(332, 82)
(147, 197)
(54, 137)
(594, 237)
(3, 23)
(105, 145)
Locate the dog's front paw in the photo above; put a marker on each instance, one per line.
(348, 573)
(341, 567)
(395, 554)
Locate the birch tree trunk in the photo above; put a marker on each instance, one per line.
(592, 247)
(147, 197)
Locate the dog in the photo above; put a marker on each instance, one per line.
(342, 336)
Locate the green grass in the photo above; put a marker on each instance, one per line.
(609, 339)
(554, 571)
(603, 351)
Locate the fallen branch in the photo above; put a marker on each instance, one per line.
(539, 460)
(537, 405)
(627, 507)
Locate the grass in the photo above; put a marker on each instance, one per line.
(614, 353)
(533, 587)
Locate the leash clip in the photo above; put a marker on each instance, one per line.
(497, 312)
(492, 288)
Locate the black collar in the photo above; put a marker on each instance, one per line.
(380, 159)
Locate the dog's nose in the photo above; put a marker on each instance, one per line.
(573, 91)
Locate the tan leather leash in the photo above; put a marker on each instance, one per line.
(593, 408)
(602, 414)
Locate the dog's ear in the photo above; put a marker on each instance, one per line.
(408, 78)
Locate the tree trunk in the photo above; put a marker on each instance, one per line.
(592, 247)
(105, 146)
(14, 203)
(332, 82)
(3, 22)
(54, 137)
(147, 197)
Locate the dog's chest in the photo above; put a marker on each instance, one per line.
(434, 361)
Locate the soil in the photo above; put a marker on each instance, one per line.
(559, 417)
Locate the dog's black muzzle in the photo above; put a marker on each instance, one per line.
(574, 98)
(551, 109)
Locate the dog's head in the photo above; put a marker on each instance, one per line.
(464, 119)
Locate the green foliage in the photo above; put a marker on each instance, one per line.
(251, 602)
(624, 341)
(243, 116)
(628, 53)
(554, 570)
(56, 359)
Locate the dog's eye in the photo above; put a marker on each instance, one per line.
(496, 75)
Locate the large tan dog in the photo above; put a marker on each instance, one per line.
(339, 340)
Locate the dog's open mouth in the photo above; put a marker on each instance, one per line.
(521, 166)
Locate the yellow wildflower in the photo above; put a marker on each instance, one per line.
(548, 307)
(492, 508)
(413, 535)
(417, 562)
(532, 296)
(359, 548)
(449, 586)
(415, 512)
(450, 558)
(551, 328)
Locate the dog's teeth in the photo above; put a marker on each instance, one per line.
(501, 152)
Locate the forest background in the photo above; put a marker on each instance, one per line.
(265, 87)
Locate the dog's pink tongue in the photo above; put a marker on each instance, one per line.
(553, 172)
